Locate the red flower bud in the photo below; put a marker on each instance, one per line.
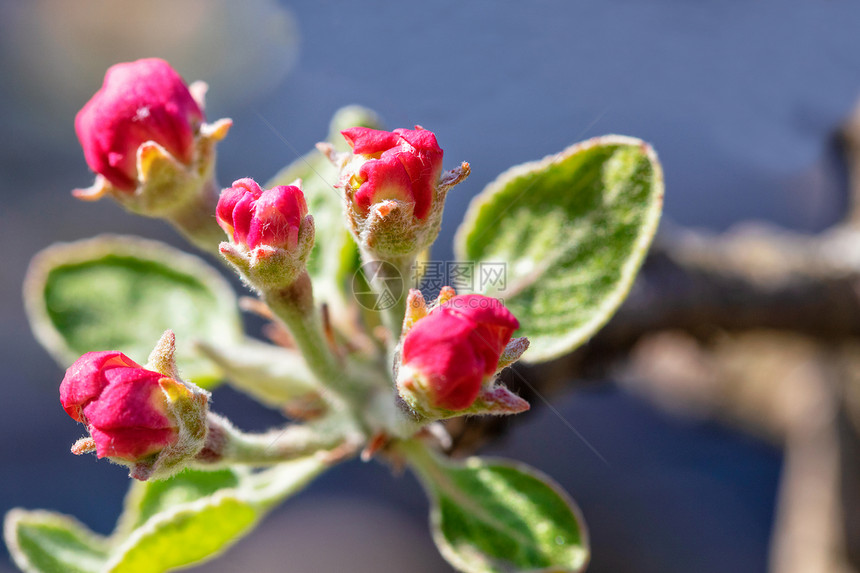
(404, 165)
(124, 406)
(254, 217)
(140, 101)
(85, 379)
(456, 347)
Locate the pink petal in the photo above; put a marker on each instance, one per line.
(226, 205)
(139, 101)
(132, 444)
(366, 141)
(243, 213)
(438, 347)
(132, 399)
(85, 379)
(278, 214)
(420, 139)
(384, 179)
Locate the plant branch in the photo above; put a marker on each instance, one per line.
(225, 445)
(388, 280)
(294, 306)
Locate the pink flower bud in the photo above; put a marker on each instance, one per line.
(455, 348)
(140, 101)
(124, 406)
(254, 217)
(403, 165)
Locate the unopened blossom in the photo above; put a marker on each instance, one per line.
(253, 217)
(271, 234)
(140, 101)
(449, 354)
(135, 416)
(394, 190)
(403, 165)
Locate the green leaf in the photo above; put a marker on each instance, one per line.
(186, 536)
(122, 293)
(186, 519)
(47, 542)
(272, 375)
(148, 498)
(573, 230)
(334, 258)
(196, 515)
(497, 516)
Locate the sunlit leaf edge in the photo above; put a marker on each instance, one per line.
(255, 490)
(610, 304)
(77, 252)
(15, 516)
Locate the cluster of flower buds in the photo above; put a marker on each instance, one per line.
(450, 355)
(144, 134)
(394, 188)
(270, 231)
(148, 420)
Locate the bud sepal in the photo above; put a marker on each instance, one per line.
(165, 186)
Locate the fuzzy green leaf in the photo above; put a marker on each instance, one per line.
(573, 230)
(496, 516)
(189, 534)
(147, 499)
(122, 293)
(196, 515)
(189, 518)
(334, 258)
(272, 375)
(47, 542)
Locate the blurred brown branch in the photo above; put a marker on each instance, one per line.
(759, 327)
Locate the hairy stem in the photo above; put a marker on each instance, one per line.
(389, 280)
(294, 306)
(196, 219)
(423, 461)
(226, 445)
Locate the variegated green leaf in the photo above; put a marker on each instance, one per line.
(122, 293)
(572, 231)
(498, 516)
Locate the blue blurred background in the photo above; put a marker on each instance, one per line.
(740, 99)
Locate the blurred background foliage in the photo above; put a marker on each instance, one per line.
(742, 101)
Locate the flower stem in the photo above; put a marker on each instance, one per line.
(226, 445)
(195, 220)
(424, 461)
(389, 280)
(294, 306)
